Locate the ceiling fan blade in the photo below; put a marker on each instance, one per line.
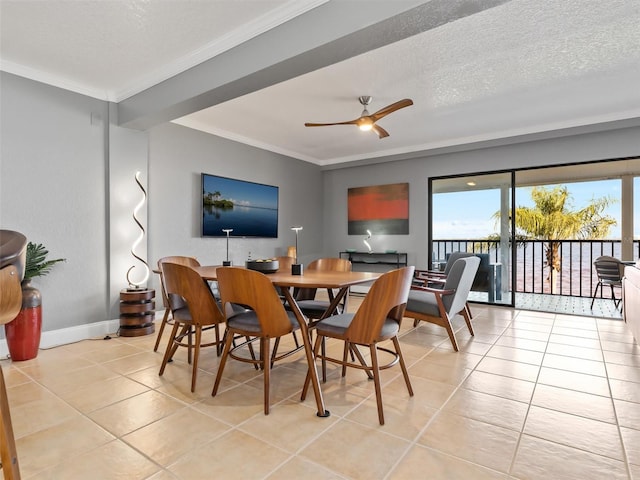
(380, 131)
(391, 108)
(350, 122)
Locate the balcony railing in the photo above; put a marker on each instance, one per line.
(577, 277)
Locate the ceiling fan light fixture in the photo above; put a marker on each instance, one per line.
(365, 127)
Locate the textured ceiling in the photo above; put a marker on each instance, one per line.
(526, 67)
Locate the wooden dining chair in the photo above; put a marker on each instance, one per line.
(13, 247)
(193, 306)
(265, 319)
(306, 297)
(376, 320)
(441, 305)
(190, 261)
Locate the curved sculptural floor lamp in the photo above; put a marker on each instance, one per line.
(133, 285)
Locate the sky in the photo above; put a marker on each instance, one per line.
(469, 214)
(240, 192)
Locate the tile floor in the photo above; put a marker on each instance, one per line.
(531, 396)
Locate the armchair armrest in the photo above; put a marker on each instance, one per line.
(436, 291)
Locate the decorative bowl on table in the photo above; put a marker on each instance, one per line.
(264, 266)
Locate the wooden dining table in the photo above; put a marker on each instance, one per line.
(337, 285)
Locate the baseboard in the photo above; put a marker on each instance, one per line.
(63, 336)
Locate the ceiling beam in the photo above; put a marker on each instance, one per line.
(330, 33)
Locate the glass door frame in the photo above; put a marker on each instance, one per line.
(510, 277)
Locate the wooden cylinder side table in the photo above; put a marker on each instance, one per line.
(137, 312)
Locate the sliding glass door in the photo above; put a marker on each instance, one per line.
(472, 214)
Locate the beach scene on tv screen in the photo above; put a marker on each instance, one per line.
(249, 209)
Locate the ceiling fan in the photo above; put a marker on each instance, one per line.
(368, 121)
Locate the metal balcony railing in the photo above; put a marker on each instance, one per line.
(577, 277)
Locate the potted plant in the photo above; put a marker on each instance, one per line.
(23, 332)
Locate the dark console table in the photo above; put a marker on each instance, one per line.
(397, 259)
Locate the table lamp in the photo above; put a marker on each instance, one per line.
(367, 243)
(227, 262)
(296, 268)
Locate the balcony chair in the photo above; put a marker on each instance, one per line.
(439, 306)
(610, 271)
(377, 319)
(13, 249)
(193, 307)
(265, 319)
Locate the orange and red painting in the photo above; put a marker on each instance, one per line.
(382, 209)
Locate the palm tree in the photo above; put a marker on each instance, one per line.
(551, 219)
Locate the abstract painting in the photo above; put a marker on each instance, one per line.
(382, 209)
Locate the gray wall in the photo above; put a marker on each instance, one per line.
(53, 189)
(179, 155)
(611, 144)
(67, 181)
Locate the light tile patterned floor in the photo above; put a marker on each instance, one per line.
(531, 396)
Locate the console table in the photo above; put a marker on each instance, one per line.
(376, 258)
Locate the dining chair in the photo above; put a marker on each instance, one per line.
(437, 278)
(265, 319)
(182, 260)
(193, 307)
(13, 246)
(376, 320)
(306, 297)
(610, 271)
(441, 305)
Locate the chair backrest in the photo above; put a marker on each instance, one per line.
(284, 263)
(10, 294)
(254, 290)
(609, 269)
(180, 260)
(460, 279)
(185, 286)
(323, 265)
(451, 259)
(330, 265)
(13, 250)
(387, 298)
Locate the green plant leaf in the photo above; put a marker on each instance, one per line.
(36, 264)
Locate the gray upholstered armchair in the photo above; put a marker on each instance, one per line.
(440, 305)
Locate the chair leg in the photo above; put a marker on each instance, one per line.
(170, 348)
(165, 319)
(8, 452)
(345, 354)
(266, 365)
(196, 355)
(452, 335)
(354, 349)
(415, 322)
(467, 319)
(223, 360)
(376, 380)
(595, 292)
(403, 366)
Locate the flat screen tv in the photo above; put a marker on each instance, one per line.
(250, 209)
